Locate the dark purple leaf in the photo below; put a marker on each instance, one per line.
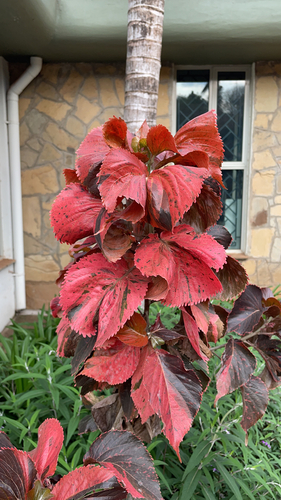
(247, 311)
(116, 493)
(124, 455)
(88, 384)
(233, 278)
(83, 350)
(126, 399)
(266, 293)
(87, 424)
(255, 400)
(203, 377)
(237, 366)
(205, 211)
(5, 441)
(17, 474)
(105, 412)
(270, 381)
(221, 235)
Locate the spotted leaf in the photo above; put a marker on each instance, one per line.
(73, 213)
(17, 474)
(173, 392)
(133, 333)
(77, 484)
(96, 291)
(113, 365)
(255, 400)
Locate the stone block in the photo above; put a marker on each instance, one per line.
(263, 273)
(261, 240)
(277, 200)
(278, 187)
(40, 268)
(40, 180)
(31, 216)
(94, 124)
(276, 250)
(34, 246)
(49, 153)
(276, 122)
(75, 127)
(263, 183)
(109, 113)
(275, 210)
(28, 157)
(163, 100)
(50, 72)
(36, 121)
(35, 144)
(24, 133)
(261, 120)
(47, 205)
(71, 87)
(250, 265)
(259, 211)
(90, 88)
(163, 121)
(266, 94)
(63, 248)
(61, 139)
(165, 73)
(107, 93)
(120, 89)
(86, 111)
(105, 69)
(39, 294)
(262, 160)
(64, 260)
(264, 68)
(23, 106)
(46, 90)
(55, 110)
(263, 140)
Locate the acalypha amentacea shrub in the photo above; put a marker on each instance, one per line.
(140, 214)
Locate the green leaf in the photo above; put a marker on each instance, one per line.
(196, 457)
(190, 484)
(71, 428)
(245, 488)
(207, 493)
(163, 479)
(229, 480)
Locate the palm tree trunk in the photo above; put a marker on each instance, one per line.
(144, 43)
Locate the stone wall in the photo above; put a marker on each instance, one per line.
(57, 110)
(264, 267)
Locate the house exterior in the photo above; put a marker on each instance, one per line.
(221, 55)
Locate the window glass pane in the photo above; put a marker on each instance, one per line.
(230, 109)
(232, 204)
(192, 94)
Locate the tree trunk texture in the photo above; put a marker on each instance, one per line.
(144, 44)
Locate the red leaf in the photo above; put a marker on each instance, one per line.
(73, 213)
(127, 458)
(140, 395)
(200, 313)
(201, 134)
(237, 366)
(17, 474)
(113, 365)
(192, 332)
(247, 311)
(70, 176)
(56, 307)
(133, 332)
(91, 153)
(171, 192)
(50, 441)
(173, 392)
(80, 482)
(182, 260)
(221, 235)
(115, 132)
(122, 175)
(255, 400)
(143, 131)
(96, 290)
(159, 139)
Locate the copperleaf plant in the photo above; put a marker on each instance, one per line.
(140, 215)
(123, 464)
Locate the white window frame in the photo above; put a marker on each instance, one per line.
(244, 164)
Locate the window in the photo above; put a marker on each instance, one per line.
(225, 89)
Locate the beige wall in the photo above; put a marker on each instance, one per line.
(57, 110)
(264, 266)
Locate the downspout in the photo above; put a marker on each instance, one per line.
(15, 176)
